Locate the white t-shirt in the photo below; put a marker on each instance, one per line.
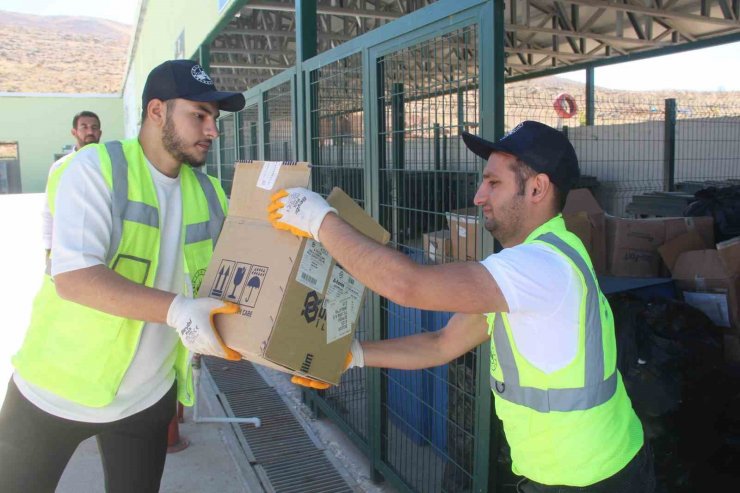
(82, 229)
(543, 292)
(47, 222)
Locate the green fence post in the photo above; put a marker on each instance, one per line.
(373, 83)
(238, 140)
(669, 146)
(491, 51)
(305, 37)
(266, 128)
(398, 125)
(590, 95)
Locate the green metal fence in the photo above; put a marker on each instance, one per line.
(380, 116)
(382, 121)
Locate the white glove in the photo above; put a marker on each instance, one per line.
(355, 359)
(358, 355)
(299, 211)
(193, 320)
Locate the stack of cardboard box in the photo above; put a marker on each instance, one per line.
(709, 279)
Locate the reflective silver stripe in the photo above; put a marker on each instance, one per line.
(139, 212)
(124, 209)
(212, 228)
(595, 391)
(197, 232)
(119, 185)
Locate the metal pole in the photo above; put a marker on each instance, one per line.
(398, 124)
(669, 146)
(590, 95)
(306, 46)
(214, 419)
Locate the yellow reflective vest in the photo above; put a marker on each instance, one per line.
(574, 426)
(82, 354)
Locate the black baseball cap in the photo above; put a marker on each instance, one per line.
(544, 149)
(186, 79)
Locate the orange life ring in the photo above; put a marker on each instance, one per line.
(565, 105)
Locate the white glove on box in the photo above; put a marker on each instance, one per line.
(299, 211)
(358, 355)
(193, 320)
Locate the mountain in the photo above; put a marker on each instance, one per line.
(62, 54)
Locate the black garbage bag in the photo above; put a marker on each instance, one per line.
(671, 359)
(723, 204)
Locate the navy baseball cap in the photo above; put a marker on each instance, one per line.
(185, 79)
(544, 149)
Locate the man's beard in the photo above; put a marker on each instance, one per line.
(176, 147)
(510, 217)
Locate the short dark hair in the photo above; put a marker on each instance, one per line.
(86, 113)
(522, 172)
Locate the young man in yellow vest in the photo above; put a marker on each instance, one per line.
(86, 130)
(566, 415)
(134, 228)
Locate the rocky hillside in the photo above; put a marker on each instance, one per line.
(60, 54)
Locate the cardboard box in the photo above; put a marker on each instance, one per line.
(299, 309)
(671, 249)
(437, 246)
(585, 218)
(703, 226)
(632, 246)
(729, 253)
(686, 230)
(710, 285)
(463, 225)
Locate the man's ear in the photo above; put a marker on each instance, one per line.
(73, 132)
(540, 187)
(156, 111)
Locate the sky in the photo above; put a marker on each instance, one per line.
(709, 69)
(123, 11)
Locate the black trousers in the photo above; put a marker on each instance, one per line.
(638, 476)
(35, 446)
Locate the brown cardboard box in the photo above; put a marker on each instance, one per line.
(689, 229)
(677, 226)
(632, 246)
(299, 309)
(437, 246)
(463, 225)
(671, 249)
(585, 218)
(729, 252)
(710, 285)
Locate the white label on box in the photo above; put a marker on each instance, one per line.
(342, 304)
(269, 174)
(462, 232)
(314, 266)
(432, 250)
(714, 306)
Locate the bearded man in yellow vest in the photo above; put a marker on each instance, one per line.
(566, 414)
(135, 224)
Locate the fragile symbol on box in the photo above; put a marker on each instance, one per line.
(238, 282)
